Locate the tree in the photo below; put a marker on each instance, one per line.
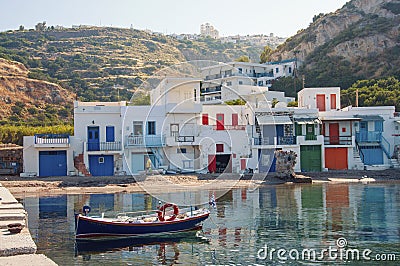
(243, 58)
(266, 55)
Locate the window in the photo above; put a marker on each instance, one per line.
(290, 70)
(260, 83)
(205, 119)
(240, 70)
(101, 159)
(137, 128)
(240, 82)
(220, 147)
(379, 126)
(333, 101)
(195, 94)
(343, 129)
(151, 128)
(229, 83)
(276, 70)
(181, 150)
(110, 136)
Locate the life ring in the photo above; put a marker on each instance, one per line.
(161, 212)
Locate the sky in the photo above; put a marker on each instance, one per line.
(231, 17)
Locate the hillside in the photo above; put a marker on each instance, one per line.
(108, 64)
(30, 100)
(359, 41)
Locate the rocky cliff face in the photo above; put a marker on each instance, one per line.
(358, 32)
(23, 97)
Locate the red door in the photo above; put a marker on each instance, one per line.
(334, 133)
(321, 102)
(243, 163)
(212, 163)
(220, 122)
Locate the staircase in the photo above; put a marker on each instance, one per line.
(80, 166)
(395, 163)
(358, 163)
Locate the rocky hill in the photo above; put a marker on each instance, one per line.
(30, 100)
(359, 41)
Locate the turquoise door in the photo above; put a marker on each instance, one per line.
(137, 163)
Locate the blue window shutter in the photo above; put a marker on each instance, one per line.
(110, 134)
(379, 126)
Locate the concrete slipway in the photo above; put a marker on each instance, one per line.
(16, 249)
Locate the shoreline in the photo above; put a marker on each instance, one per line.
(21, 187)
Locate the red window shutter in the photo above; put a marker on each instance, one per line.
(333, 101)
(205, 119)
(235, 119)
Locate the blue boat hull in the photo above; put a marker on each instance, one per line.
(87, 227)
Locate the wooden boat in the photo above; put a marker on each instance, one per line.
(161, 221)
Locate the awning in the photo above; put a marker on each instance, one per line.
(397, 121)
(306, 120)
(334, 118)
(369, 117)
(273, 120)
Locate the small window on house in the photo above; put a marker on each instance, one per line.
(240, 82)
(151, 128)
(260, 83)
(343, 129)
(240, 70)
(101, 159)
(181, 150)
(220, 147)
(229, 83)
(276, 70)
(195, 94)
(290, 70)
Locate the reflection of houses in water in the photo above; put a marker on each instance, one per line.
(337, 205)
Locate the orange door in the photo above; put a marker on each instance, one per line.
(336, 158)
(334, 133)
(321, 102)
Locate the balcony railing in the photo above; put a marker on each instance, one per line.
(263, 141)
(184, 138)
(311, 137)
(369, 136)
(104, 146)
(287, 140)
(51, 139)
(229, 127)
(338, 140)
(145, 141)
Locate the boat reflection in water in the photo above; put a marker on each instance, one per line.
(86, 248)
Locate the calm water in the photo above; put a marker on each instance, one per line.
(293, 218)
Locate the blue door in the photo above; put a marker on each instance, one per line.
(372, 155)
(110, 135)
(93, 139)
(52, 163)
(266, 160)
(363, 131)
(101, 165)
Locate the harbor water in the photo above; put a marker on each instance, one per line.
(308, 224)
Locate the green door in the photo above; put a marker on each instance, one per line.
(310, 132)
(310, 158)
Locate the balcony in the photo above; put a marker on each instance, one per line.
(338, 140)
(369, 136)
(281, 140)
(52, 140)
(287, 140)
(184, 138)
(229, 127)
(145, 141)
(103, 146)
